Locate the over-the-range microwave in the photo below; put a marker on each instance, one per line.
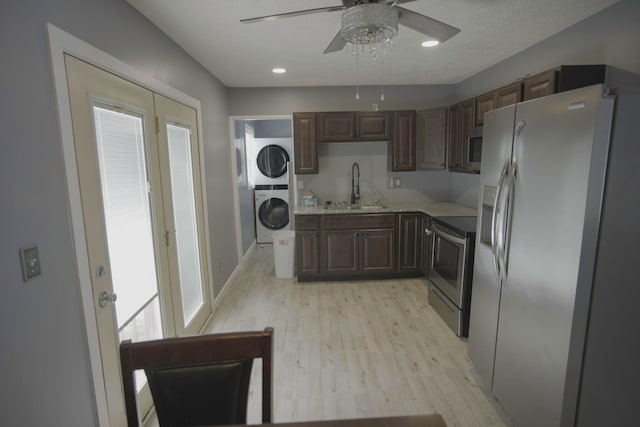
(472, 150)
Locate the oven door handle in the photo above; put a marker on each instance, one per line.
(496, 217)
(443, 234)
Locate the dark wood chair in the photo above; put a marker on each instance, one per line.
(201, 380)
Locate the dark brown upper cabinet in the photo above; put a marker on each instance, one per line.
(462, 118)
(467, 119)
(509, 95)
(431, 139)
(336, 126)
(484, 103)
(498, 98)
(373, 126)
(305, 148)
(349, 126)
(454, 140)
(402, 149)
(539, 85)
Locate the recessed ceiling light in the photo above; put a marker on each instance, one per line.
(279, 70)
(430, 43)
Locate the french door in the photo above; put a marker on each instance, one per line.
(138, 166)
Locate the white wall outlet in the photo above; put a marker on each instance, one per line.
(395, 182)
(300, 184)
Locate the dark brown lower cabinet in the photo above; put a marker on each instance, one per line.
(339, 252)
(361, 246)
(410, 243)
(357, 253)
(427, 245)
(377, 254)
(307, 248)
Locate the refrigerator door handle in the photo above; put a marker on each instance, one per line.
(505, 224)
(497, 211)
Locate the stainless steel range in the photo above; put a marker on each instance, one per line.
(451, 270)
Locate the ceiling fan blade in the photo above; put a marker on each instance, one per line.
(426, 25)
(337, 44)
(290, 14)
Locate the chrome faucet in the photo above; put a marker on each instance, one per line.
(355, 183)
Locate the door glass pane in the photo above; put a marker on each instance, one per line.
(184, 210)
(125, 195)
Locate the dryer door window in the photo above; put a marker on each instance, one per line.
(274, 213)
(272, 161)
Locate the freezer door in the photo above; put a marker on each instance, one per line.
(485, 293)
(552, 157)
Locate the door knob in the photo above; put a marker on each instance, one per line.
(106, 298)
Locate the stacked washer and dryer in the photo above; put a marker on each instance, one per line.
(272, 186)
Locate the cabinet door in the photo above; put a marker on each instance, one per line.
(339, 252)
(307, 253)
(403, 144)
(410, 242)
(305, 149)
(467, 122)
(454, 137)
(484, 103)
(377, 254)
(336, 127)
(542, 84)
(427, 245)
(373, 126)
(432, 139)
(509, 95)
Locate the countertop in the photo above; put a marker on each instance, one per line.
(429, 208)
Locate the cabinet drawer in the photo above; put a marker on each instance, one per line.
(345, 222)
(307, 222)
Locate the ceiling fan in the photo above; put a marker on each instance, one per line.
(430, 27)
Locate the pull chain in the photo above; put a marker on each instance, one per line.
(357, 79)
(382, 77)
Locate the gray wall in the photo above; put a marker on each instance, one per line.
(245, 194)
(44, 362)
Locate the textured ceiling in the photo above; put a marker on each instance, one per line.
(242, 55)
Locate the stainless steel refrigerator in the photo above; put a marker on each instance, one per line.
(543, 175)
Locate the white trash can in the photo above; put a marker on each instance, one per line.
(284, 253)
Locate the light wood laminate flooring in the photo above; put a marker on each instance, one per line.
(353, 349)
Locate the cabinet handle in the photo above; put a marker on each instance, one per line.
(428, 232)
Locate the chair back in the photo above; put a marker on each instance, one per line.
(200, 380)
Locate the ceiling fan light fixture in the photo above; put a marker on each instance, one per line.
(367, 27)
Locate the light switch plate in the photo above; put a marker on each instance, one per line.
(30, 260)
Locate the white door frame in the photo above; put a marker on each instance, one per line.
(61, 42)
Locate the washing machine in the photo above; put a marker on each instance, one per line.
(271, 160)
(272, 210)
